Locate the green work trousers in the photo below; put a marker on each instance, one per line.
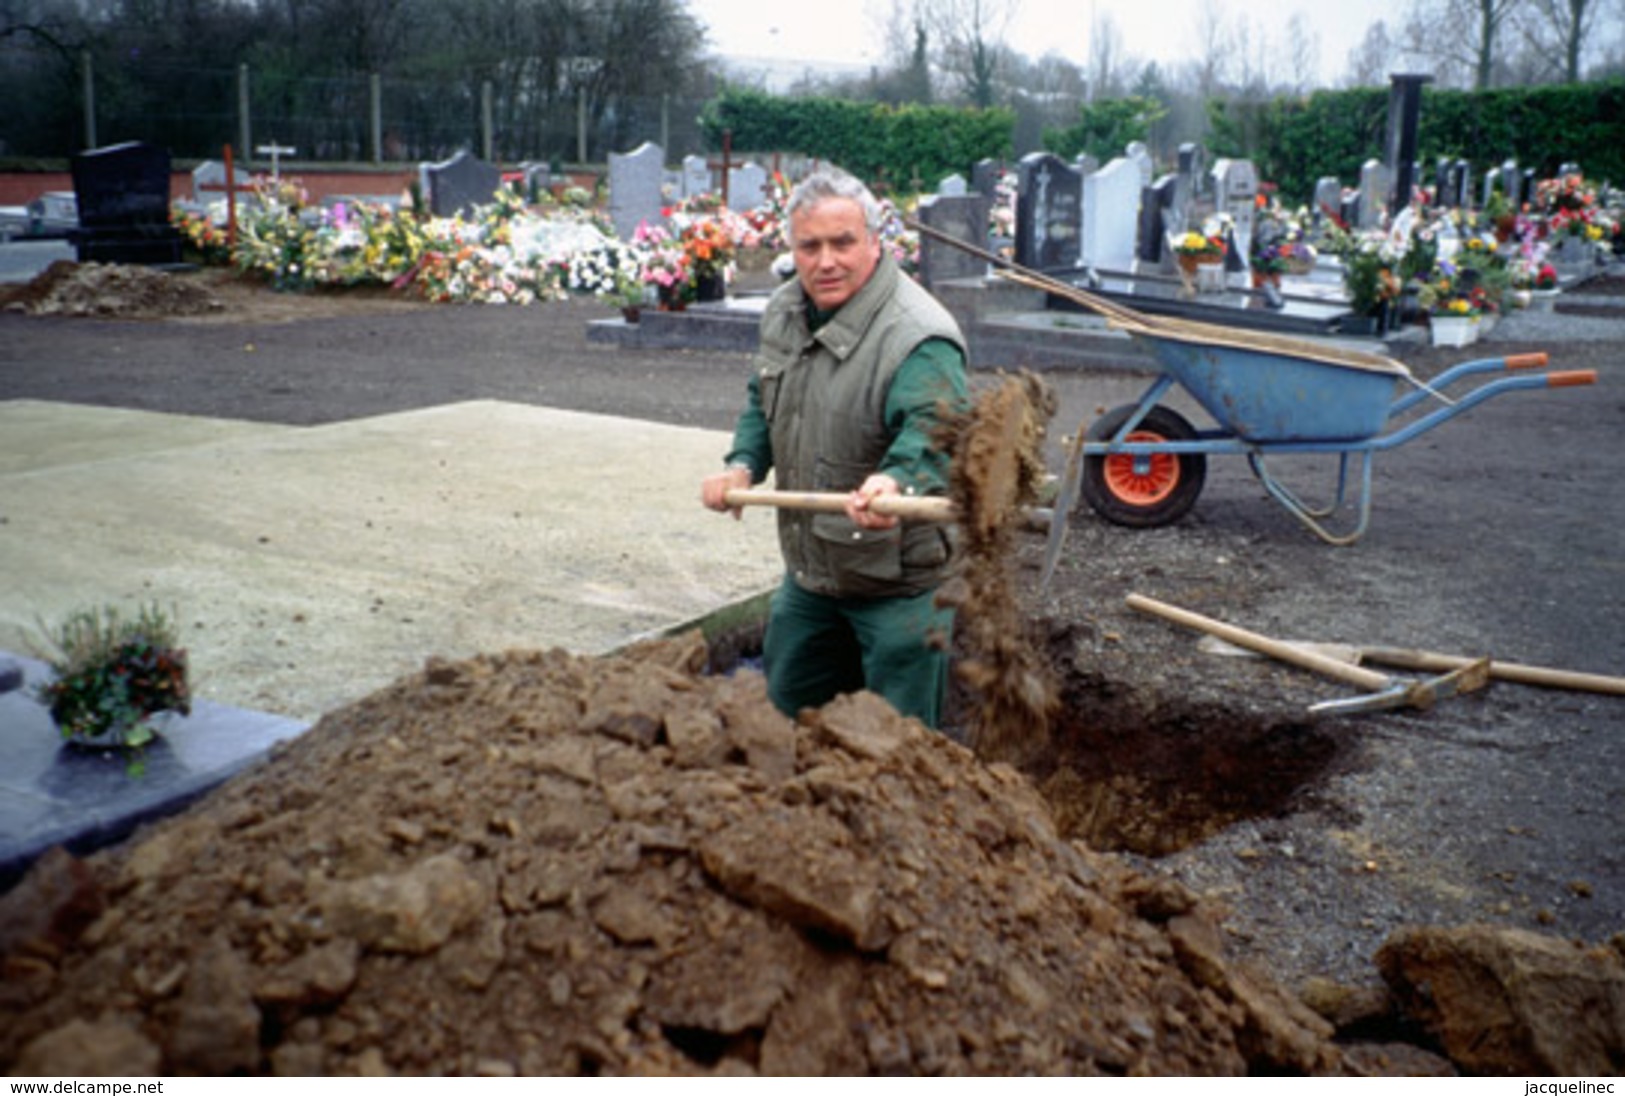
(818, 647)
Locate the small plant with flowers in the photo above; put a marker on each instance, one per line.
(1200, 247)
(112, 674)
(1451, 290)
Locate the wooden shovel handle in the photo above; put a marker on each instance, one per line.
(907, 507)
(1432, 661)
(1369, 680)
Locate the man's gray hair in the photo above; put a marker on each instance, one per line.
(831, 182)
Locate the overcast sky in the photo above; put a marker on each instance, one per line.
(839, 30)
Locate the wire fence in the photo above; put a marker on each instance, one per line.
(373, 118)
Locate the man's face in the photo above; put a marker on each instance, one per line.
(835, 252)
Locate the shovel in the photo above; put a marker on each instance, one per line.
(1409, 658)
(903, 507)
(1383, 692)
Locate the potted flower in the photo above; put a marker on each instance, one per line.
(665, 267)
(1196, 252)
(111, 675)
(1543, 288)
(709, 250)
(1453, 306)
(1368, 281)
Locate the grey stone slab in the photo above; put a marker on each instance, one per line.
(53, 793)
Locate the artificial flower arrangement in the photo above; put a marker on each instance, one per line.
(1545, 278)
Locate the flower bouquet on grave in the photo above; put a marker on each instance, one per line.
(1193, 251)
(665, 267)
(708, 250)
(112, 675)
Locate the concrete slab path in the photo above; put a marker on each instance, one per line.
(309, 566)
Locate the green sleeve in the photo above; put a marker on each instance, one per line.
(752, 445)
(927, 389)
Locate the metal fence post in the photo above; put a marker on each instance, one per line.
(375, 90)
(485, 121)
(87, 77)
(581, 125)
(244, 129)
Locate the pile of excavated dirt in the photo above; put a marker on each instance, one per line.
(110, 290)
(542, 863)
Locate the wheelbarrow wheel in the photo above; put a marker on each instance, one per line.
(1144, 491)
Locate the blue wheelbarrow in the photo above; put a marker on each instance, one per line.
(1144, 464)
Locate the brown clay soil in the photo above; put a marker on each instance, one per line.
(531, 862)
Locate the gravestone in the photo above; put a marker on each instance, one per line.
(1158, 217)
(1376, 181)
(209, 183)
(1461, 184)
(954, 186)
(1404, 114)
(122, 196)
(1328, 197)
(1512, 182)
(1111, 215)
(1140, 156)
(1235, 184)
(538, 179)
(452, 188)
(984, 177)
(1192, 198)
(696, 176)
(634, 188)
(1049, 212)
(747, 187)
(1085, 165)
(963, 217)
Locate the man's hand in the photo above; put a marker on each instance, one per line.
(715, 487)
(857, 503)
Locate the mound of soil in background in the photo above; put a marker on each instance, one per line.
(541, 863)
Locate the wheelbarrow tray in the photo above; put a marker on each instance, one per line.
(1266, 396)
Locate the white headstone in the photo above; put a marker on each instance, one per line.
(1140, 156)
(1376, 178)
(1111, 212)
(1235, 184)
(696, 176)
(954, 186)
(747, 187)
(634, 187)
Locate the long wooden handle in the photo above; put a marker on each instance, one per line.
(907, 507)
(1369, 680)
(1406, 658)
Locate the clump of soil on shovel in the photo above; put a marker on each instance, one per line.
(997, 450)
(534, 862)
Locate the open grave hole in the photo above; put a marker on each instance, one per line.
(1134, 769)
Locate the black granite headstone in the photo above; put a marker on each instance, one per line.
(963, 217)
(122, 192)
(1156, 207)
(459, 184)
(1049, 212)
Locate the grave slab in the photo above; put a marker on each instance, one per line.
(52, 793)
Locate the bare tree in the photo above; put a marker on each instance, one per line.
(1459, 36)
(1302, 54)
(1369, 62)
(1555, 33)
(1215, 49)
(970, 40)
(1105, 53)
